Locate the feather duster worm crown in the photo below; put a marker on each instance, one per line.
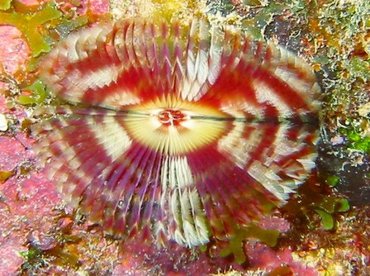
(180, 133)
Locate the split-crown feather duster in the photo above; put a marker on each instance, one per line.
(180, 132)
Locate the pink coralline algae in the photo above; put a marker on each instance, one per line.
(93, 7)
(12, 153)
(96, 6)
(263, 257)
(176, 133)
(13, 49)
(25, 204)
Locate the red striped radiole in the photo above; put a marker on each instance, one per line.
(183, 133)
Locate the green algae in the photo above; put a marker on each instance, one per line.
(235, 246)
(327, 219)
(29, 254)
(334, 205)
(356, 139)
(5, 5)
(359, 68)
(332, 180)
(327, 209)
(38, 94)
(31, 24)
(34, 259)
(358, 142)
(60, 254)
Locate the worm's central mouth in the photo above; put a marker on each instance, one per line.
(172, 117)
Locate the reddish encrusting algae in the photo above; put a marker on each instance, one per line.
(179, 133)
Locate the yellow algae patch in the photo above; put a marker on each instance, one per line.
(168, 10)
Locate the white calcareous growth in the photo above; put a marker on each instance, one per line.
(3, 123)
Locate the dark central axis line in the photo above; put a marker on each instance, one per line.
(304, 119)
(310, 118)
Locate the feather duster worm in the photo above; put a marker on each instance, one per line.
(181, 133)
